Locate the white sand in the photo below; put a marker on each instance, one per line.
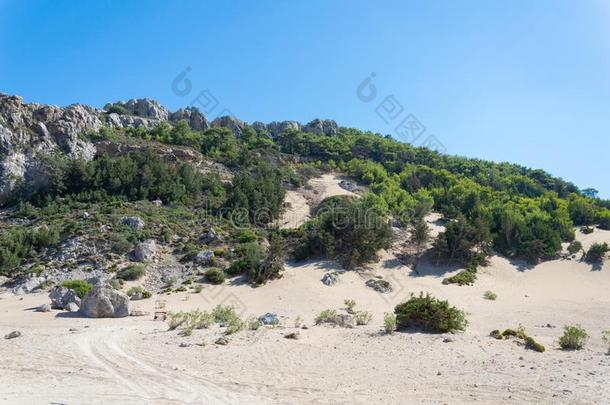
(136, 360)
(301, 201)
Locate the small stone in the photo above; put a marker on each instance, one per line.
(184, 344)
(330, 279)
(71, 307)
(223, 341)
(14, 334)
(292, 335)
(269, 319)
(43, 308)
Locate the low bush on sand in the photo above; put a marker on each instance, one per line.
(325, 316)
(519, 334)
(131, 273)
(363, 318)
(430, 315)
(389, 323)
(215, 276)
(490, 295)
(464, 277)
(574, 337)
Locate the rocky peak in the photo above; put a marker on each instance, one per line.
(196, 119)
(142, 107)
(236, 126)
(319, 127)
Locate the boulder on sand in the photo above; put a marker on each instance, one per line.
(103, 301)
(62, 296)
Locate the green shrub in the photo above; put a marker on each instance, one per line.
(131, 273)
(531, 344)
(325, 316)
(429, 314)
(254, 324)
(574, 247)
(606, 339)
(363, 317)
(81, 287)
(574, 337)
(490, 295)
(389, 323)
(198, 288)
(587, 230)
(350, 305)
(246, 236)
(215, 276)
(234, 325)
(175, 319)
(138, 290)
(117, 109)
(464, 277)
(597, 252)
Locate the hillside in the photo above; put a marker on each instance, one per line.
(181, 215)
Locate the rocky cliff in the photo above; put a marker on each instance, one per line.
(30, 130)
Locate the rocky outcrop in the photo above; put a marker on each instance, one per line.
(319, 127)
(61, 297)
(236, 126)
(145, 251)
(135, 223)
(105, 302)
(142, 107)
(192, 115)
(30, 130)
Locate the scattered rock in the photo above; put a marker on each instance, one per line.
(448, 340)
(223, 341)
(71, 307)
(184, 344)
(103, 301)
(341, 320)
(43, 308)
(133, 222)
(209, 236)
(269, 319)
(330, 279)
(145, 251)
(62, 296)
(348, 185)
(292, 335)
(379, 285)
(137, 312)
(14, 334)
(204, 257)
(28, 285)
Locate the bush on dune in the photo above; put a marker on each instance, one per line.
(430, 315)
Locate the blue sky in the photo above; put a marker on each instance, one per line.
(520, 81)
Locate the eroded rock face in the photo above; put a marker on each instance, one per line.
(143, 107)
(29, 130)
(236, 126)
(133, 222)
(105, 302)
(195, 119)
(145, 251)
(61, 297)
(319, 127)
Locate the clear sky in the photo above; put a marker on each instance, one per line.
(520, 81)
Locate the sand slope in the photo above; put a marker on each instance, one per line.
(136, 360)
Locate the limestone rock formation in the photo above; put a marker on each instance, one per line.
(103, 301)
